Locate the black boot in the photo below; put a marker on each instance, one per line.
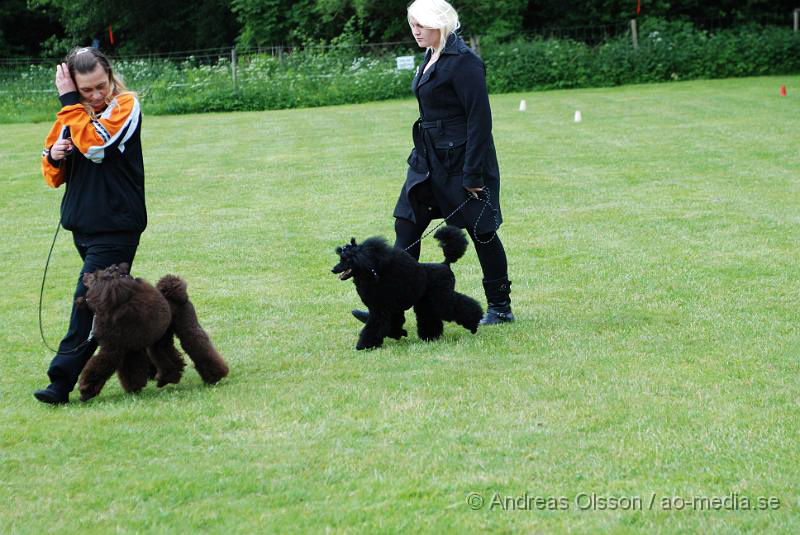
(361, 315)
(54, 394)
(498, 297)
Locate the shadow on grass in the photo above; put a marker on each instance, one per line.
(150, 392)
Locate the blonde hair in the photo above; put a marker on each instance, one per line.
(83, 60)
(437, 15)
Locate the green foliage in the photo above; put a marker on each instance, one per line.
(667, 51)
(305, 79)
(50, 27)
(319, 76)
(270, 22)
(497, 19)
(557, 13)
(24, 27)
(308, 77)
(263, 22)
(141, 26)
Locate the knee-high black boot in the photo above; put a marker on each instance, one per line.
(498, 297)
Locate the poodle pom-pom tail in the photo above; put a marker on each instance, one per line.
(452, 241)
(173, 288)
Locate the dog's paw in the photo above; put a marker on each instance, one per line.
(398, 334)
(429, 337)
(367, 345)
(165, 378)
(89, 391)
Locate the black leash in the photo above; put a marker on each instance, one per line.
(41, 290)
(486, 202)
(41, 296)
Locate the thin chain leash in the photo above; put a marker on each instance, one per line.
(486, 202)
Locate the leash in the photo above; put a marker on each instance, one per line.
(41, 296)
(486, 202)
(41, 291)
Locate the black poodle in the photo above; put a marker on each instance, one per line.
(389, 282)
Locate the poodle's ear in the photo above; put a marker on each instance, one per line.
(122, 293)
(124, 268)
(116, 294)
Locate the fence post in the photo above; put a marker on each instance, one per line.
(797, 19)
(634, 35)
(234, 74)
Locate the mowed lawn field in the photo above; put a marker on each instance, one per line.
(651, 375)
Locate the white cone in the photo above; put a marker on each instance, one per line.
(523, 106)
(578, 117)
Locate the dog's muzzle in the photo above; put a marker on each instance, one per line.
(345, 274)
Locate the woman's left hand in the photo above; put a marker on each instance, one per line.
(474, 191)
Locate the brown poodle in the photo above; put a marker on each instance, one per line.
(134, 321)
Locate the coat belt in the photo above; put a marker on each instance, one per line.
(442, 123)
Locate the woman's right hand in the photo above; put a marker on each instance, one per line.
(64, 82)
(61, 149)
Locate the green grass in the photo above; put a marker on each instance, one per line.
(654, 253)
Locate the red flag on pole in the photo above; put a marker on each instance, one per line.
(638, 6)
(110, 35)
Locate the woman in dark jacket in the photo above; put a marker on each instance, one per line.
(95, 148)
(454, 157)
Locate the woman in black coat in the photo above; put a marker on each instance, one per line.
(453, 157)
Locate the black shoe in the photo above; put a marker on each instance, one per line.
(52, 395)
(496, 314)
(361, 315)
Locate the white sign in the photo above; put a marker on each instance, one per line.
(405, 63)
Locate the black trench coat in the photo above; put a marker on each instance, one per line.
(453, 145)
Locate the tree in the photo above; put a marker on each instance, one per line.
(22, 29)
(571, 13)
(498, 19)
(51, 27)
(271, 22)
(143, 26)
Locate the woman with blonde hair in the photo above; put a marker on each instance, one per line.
(454, 157)
(94, 148)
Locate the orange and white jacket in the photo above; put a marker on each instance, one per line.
(104, 175)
